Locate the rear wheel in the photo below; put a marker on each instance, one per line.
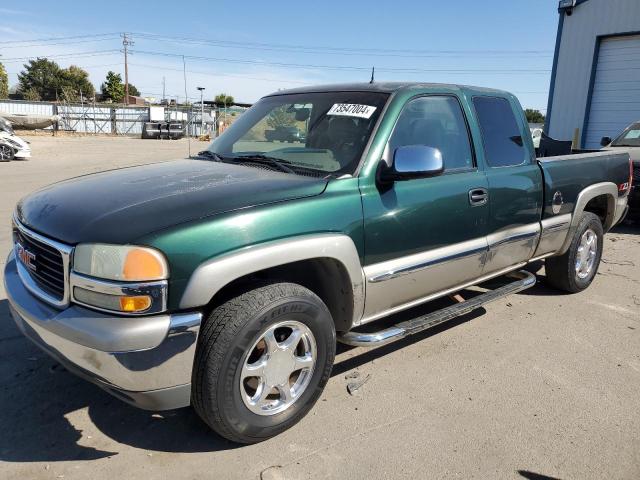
(262, 361)
(6, 153)
(576, 268)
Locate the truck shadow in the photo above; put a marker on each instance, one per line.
(37, 397)
(49, 415)
(628, 227)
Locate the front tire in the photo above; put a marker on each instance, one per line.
(577, 267)
(262, 361)
(6, 153)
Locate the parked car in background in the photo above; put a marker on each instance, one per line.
(629, 141)
(285, 134)
(536, 135)
(11, 145)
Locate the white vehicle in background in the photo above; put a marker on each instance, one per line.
(11, 145)
(536, 134)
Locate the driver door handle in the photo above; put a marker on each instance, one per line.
(478, 196)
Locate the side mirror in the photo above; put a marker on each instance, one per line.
(413, 161)
(605, 141)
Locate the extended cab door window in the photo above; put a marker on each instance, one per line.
(515, 184)
(425, 235)
(503, 144)
(436, 121)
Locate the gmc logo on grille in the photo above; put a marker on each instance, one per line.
(26, 257)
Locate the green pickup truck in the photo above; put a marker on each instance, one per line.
(224, 281)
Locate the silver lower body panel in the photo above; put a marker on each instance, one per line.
(152, 374)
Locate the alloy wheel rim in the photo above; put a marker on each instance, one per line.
(586, 254)
(278, 368)
(4, 152)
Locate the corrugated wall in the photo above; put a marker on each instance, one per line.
(576, 54)
(26, 108)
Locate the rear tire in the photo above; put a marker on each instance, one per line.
(577, 267)
(251, 378)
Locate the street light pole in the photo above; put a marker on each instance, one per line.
(201, 110)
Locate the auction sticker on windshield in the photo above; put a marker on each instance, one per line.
(351, 110)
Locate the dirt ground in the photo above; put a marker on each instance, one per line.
(537, 385)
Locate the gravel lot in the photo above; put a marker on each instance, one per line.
(537, 384)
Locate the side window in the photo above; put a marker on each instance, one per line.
(503, 144)
(437, 122)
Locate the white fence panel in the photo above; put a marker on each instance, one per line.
(129, 121)
(86, 118)
(18, 107)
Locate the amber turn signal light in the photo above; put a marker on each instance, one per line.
(135, 304)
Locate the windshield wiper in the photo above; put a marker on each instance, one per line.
(212, 155)
(278, 163)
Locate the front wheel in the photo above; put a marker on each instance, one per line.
(576, 268)
(6, 153)
(262, 361)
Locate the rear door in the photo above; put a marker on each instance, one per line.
(515, 183)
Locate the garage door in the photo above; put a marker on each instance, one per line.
(615, 102)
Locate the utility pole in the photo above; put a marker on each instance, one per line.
(126, 42)
(163, 89)
(201, 110)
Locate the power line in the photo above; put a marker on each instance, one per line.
(341, 50)
(349, 67)
(95, 53)
(51, 39)
(310, 49)
(93, 40)
(199, 72)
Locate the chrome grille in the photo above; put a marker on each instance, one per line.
(48, 275)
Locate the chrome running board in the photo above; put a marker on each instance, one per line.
(522, 281)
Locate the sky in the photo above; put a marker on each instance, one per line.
(248, 49)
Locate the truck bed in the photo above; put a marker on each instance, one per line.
(571, 174)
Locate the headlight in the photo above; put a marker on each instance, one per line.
(120, 278)
(126, 263)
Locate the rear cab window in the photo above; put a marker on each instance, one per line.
(501, 135)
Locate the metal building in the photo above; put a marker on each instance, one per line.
(595, 81)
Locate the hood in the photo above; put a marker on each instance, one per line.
(122, 205)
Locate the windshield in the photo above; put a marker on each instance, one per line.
(322, 133)
(629, 138)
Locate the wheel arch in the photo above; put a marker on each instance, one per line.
(599, 199)
(327, 264)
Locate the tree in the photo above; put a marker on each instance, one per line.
(75, 84)
(113, 88)
(280, 117)
(44, 80)
(534, 116)
(223, 99)
(31, 94)
(4, 82)
(41, 78)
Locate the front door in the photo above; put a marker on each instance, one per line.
(424, 236)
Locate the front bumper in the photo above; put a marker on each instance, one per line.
(23, 153)
(145, 361)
